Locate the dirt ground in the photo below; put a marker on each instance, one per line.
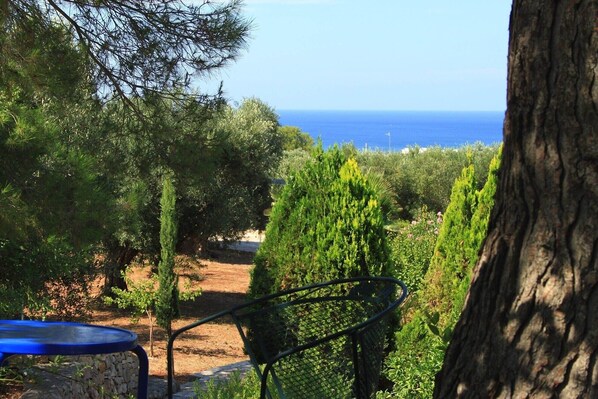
(223, 279)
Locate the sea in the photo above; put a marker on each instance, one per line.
(397, 130)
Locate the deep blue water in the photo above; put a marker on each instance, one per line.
(371, 129)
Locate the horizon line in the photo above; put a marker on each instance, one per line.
(382, 110)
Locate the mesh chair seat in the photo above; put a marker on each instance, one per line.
(320, 341)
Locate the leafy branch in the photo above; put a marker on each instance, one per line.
(140, 297)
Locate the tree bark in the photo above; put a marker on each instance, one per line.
(117, 260)
(530, 323)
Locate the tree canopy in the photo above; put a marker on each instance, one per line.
(139, 47)
(51, 197)
(78, 172)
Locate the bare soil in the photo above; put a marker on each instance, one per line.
(224, 280)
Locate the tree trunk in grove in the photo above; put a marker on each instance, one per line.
(117, 259)
(529, 327)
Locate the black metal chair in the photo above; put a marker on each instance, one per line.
(320, 341)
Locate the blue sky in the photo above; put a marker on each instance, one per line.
(374, 55)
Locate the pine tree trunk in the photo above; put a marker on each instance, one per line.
(530, 323)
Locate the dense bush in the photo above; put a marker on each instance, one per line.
(456, 253)
(421, 342)
(291, 162)
(326, 224)
(44, 278)
(235, 387)
(416, 359)
(412, 248)
(450, 263)
(419, 352)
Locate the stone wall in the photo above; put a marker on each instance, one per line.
(97, 377)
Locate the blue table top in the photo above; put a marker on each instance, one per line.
(62, 338)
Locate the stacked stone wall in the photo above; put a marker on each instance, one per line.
(96, 377)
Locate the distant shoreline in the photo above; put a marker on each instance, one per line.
(389, 111)
(398, 130)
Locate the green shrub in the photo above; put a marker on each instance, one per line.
(291, 162)
(460, 239)
(417, 358)
(44, 277)
(450, 264)
(248, 387)
(235, 387)
(485, 203)
(326, 224)
(412, 248)
(421, 342)
(294, 138)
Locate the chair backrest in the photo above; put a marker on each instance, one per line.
(322, 341)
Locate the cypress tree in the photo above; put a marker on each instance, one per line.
(326, 224)
(167, 304)
(421, 342)
(450, 263)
